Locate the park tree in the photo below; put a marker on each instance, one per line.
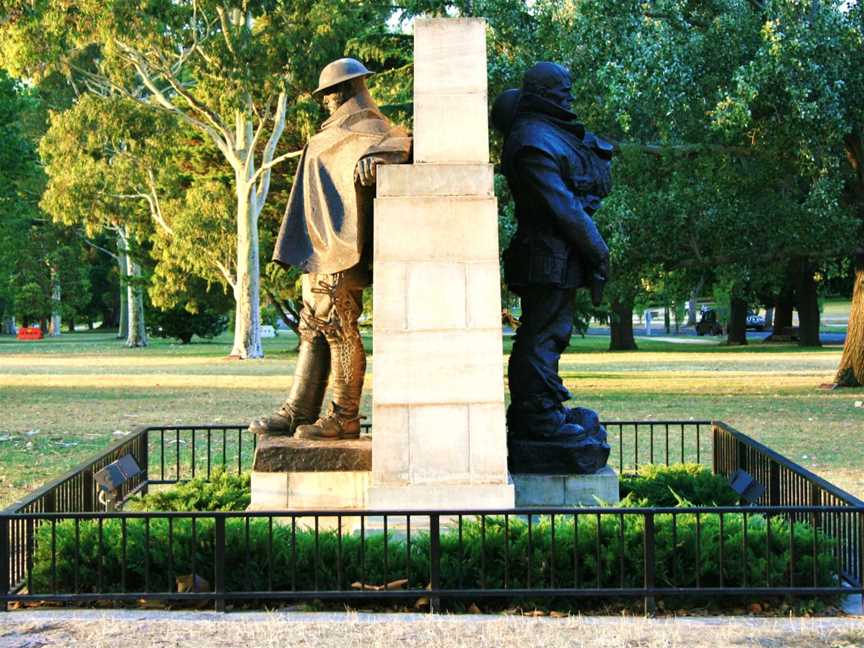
(225, 70)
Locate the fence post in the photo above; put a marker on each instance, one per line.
(774, 485)
(5, 563)
(650, 564)
(715, 448)
(145, 459)
(435, 559)
(87, 485)
(861, 557)
(219, 563)
(742, 455)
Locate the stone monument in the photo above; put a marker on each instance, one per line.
(438, 435)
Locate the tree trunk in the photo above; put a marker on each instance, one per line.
(807, 299)
(769, 317)
(667, 324)
(691, 307)
(736, 331)
(137, 335)
(8, 326)
(56, 317)
(783, 312)
(123, 263)
(247, 290)
(850, 372)
(621, 326)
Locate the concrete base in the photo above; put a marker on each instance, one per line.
(567, 490)
(297, 491)
(441, 496)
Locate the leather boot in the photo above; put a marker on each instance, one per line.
(307, 391)
(342, 420)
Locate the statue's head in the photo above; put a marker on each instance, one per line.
(339, 81)
(549, 81)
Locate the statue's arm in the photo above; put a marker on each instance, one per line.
(540, 175)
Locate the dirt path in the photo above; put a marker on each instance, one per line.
(97, 629)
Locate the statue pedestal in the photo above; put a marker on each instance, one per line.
(438, 425)
(301, 474)
(534, 489)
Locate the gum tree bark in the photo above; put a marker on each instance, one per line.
(850, 372)
(56, 304)
(123, 264)
(137, 334)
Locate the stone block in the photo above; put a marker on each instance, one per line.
(298, 491)
(449, 55)
(451, 128)
(390, 445)
(390, 296)
(436, 296)
(282, 454)
(439, 444)
(484, 288)
(269, 490)
(434, 367)
(438, 179)
(487, 429)
(442, 496)
(534, 489)
(591, 490)
(433, 228)
(539, 490)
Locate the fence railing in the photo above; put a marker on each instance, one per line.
(806, 536)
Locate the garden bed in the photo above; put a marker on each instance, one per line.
(678, 532)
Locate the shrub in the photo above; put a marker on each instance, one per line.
(582, 549)
(224, 491)
(673, 485)
(294, 557)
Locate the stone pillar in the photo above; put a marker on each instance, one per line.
(438, 435)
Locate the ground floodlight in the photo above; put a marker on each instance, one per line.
(746, 486)
(112, 477)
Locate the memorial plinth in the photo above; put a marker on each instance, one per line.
(298, 474)
(438, 435)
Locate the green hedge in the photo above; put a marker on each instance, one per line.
(292, 559)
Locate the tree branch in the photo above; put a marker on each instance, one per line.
(267, 161)
(220, 137)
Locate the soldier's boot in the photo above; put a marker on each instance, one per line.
(342, 420)
(303, 404)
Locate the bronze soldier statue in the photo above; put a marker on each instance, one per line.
(326, 233)
(558, 174)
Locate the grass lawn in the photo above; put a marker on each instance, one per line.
(63, 399)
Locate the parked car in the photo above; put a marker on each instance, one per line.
(755, 321)
(708, 324)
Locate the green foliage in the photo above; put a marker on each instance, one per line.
(224, 491)
(494, 552)
(690, 484)
(201, 313)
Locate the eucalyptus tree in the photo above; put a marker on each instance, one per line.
(223, 69)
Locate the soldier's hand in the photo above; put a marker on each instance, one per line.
(367, 171)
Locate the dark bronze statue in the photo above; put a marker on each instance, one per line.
(558, 174)
(326, 233)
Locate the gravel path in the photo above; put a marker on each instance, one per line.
(118, 628)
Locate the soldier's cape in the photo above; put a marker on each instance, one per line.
(327, 221)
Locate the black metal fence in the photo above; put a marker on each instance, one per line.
(805, 537)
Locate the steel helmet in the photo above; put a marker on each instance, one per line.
(338, 71)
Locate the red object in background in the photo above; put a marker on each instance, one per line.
(30, 333)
